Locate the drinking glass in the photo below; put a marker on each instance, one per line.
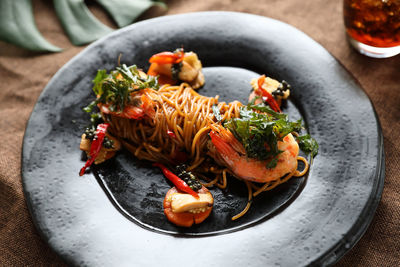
(373, 26)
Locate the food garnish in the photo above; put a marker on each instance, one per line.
(115, 89)
(259, 126)
(95, 146)
(178, 182)
(266, 95)
(175, 67)
(159, 117)
(188, 210)
(308, 144)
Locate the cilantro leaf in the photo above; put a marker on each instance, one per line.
(100, 76)
(308, 144)
(266, 109)
(116, 87)
(259, 129)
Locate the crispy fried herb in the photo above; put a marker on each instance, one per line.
(308, 144)
(116, 87)
(260, 132)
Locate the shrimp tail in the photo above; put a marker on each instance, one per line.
(229, 138)
(224, 149)
(148, 106)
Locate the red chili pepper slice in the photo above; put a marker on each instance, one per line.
(95, 147)
(268, 97)
(167, 58)
(171, 133)
(178, 182)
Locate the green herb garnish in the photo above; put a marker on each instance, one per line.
(116, 87)
(96, 119)
(308, 144)
(90, 134)
(260, 132)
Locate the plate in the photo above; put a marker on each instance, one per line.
(112, 216)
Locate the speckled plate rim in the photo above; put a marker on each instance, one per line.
(328, 257)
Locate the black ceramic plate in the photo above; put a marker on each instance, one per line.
(113, 216)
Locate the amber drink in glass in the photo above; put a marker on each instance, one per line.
(373, 26)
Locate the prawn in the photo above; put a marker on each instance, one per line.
(143, 105)
(228, 151)
(269, 90)
(173, 66)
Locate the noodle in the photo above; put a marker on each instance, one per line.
(250, 198)
(181, 122)
(306, 167)
(224, 180)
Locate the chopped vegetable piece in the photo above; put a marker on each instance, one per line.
(178, 182)
(95, 146)
(267, 96)
(184, 219)
(168, 57)
(115, 89)
(187, 203)
(308, 144)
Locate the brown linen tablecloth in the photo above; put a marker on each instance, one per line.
(24, 74)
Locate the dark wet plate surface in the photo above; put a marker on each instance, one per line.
(137, 189)
(309, 220)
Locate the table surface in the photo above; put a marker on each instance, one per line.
(24, 75)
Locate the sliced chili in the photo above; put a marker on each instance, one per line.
(171, 133)
(167, 58)
(267, 96)
(178, 182)
(95, 147)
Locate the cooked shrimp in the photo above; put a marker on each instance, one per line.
(142, 105)
(189, 69)
(228, 151)
(278, 90)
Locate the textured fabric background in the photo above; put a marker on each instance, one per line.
(23, 75)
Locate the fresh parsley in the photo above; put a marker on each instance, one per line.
(259, 128)
(308, 144)
(116, 87)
